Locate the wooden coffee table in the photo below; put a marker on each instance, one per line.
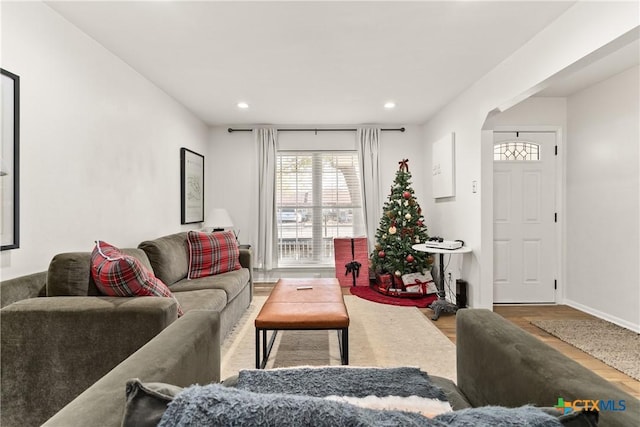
(302, 304)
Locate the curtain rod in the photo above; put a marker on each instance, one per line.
(524, 131)
(230, 130)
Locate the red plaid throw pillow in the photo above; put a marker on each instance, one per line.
(212, 253)
(120, 275)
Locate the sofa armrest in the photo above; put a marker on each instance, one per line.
(246, 261)
(499, 363)
(53, 348)
(24, 287)
(187, 352)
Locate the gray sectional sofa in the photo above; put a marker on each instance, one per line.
(497, 364)
(58, 336)
(229, 293)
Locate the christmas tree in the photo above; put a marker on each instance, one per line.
(402, 226)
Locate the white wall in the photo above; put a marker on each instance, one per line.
(99, 147)
(603, 235)
(583, 29)
(231, 179)
(234, 161)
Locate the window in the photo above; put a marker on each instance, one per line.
(516, 150)
(318, 197)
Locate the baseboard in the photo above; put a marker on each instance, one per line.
(605, 316)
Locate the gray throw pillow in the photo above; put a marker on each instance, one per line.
(146, 402)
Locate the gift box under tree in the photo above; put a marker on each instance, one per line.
(351, 260)
(421, 283)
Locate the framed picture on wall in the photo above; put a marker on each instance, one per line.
(443, 167)
(191, 186)
(10, 161)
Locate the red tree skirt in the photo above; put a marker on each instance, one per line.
(368, 293)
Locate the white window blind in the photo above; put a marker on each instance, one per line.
(318, 197)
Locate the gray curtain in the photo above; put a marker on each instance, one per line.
(266, 140)
(368, 142)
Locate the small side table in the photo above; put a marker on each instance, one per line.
(441, 304)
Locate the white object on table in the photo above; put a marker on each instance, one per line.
(441, 304)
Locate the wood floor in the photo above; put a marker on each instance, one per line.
(521, 315)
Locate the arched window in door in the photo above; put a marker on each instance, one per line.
(516, 150)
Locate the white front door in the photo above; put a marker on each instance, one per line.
(524, 247)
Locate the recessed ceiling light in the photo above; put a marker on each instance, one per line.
(389, 105)
(243, 105)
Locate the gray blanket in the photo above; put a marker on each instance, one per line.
(342, 381)
(216, 405)
(293, 397)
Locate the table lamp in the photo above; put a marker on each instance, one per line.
(218, 219)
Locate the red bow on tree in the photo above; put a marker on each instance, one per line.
(404, 165)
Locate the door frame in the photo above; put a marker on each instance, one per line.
(560, 183)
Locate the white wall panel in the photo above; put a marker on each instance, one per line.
(502, 206)
(501, 270)
(531, 196)
(531, 260)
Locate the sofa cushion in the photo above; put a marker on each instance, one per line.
(205, 299)
(146, 402)
(121, 275)
(232, 282)
(169, 257)
(212, 253)
(69, 274)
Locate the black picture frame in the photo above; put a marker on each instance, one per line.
(191, 187)
(10, 161)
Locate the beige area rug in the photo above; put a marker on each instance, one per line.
(379, 335)
(616, 346)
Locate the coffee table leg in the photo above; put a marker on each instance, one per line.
(346, 345)
(257, 348)
(266, 348)
(265, 352)
(343, 336)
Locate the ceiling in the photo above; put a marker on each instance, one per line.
(305, 62)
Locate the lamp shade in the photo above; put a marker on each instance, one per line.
(219, 219)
